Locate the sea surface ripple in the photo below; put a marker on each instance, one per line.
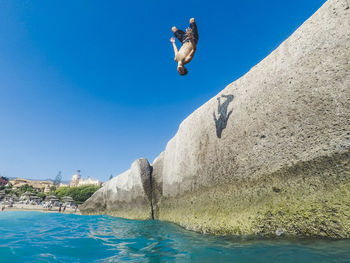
(51, 237)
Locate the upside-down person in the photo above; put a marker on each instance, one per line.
(189, 41)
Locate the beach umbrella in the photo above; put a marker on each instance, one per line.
(49, 197)
(26, 195)
(52, 198)
(15, 197)
(8, 197)
(67, 199)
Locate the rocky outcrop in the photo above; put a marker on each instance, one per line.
(270, 153)
(127, 195)
(271, 144)
(157, 183)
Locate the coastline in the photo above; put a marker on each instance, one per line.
(38, 208)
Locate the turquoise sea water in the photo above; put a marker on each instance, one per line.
(43, 237)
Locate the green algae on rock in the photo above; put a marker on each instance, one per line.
(310, 199)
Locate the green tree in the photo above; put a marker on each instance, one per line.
(41, 195)
(62, 191)
(80, 193)
(26, 188)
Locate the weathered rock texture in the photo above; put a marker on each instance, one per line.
(270, 153)
(127, 195)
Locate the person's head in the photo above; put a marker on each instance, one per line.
(182, 70)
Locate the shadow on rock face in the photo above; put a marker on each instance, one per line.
(221, 122)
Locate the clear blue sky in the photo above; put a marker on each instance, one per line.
(92, 85)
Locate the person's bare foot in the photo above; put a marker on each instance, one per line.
(174, 29)
(192, 20)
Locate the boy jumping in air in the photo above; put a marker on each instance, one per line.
(189, 42)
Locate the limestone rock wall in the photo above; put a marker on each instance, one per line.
(269, 154)
(126, 195)
(233, 156)
(293, 106)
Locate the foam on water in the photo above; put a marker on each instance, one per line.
(44, 237)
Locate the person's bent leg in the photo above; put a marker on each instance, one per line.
(179, 34)
(194, 29)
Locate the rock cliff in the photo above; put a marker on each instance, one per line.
(126, 195)
(268, 155)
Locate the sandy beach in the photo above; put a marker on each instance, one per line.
(39, 208)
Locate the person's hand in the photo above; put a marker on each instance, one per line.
(172, 40)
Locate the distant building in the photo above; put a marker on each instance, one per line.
(39, 185)
(77, 180)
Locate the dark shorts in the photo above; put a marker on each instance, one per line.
(182, 37)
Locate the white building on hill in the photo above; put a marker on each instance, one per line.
(77, 180)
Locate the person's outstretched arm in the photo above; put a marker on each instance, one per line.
(172, 40)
